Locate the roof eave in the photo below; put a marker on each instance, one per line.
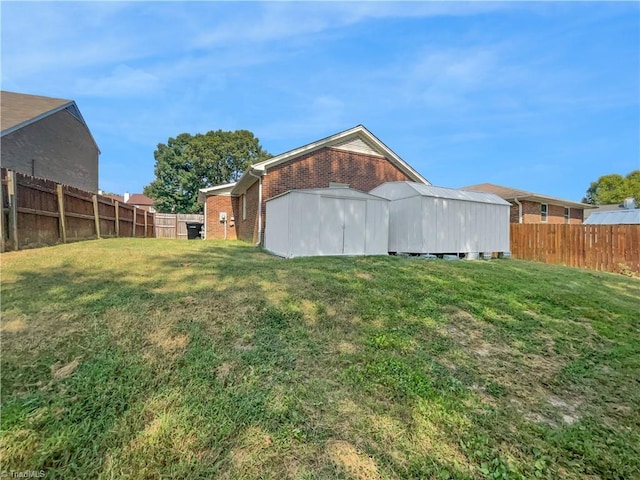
(551, 200)
(224, 189)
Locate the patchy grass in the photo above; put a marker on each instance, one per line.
(150, 358)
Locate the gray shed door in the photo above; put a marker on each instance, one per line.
(342, 226)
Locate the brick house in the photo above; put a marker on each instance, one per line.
(48, 138)
(139, 200)
(529, 207)
(354, 157)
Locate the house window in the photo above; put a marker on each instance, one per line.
(244, 207)
(544, 208)
(567, 215)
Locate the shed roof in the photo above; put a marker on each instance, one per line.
(334, 192)
(399, 190)
(603, 208)
(615, 217)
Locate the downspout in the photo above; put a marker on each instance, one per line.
(205, 218)
(519, 209)
(259, 177)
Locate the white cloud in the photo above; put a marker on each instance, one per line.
(279, 20)
(124, 81)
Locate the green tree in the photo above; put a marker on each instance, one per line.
(188, 163)
(633, 185)
(613, 188)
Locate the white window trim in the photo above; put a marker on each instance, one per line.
(545, 218)
(567, 215)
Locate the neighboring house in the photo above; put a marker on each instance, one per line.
(354, 158)
(529, 207)
(139, 200)
(623, 214)
(48, 138)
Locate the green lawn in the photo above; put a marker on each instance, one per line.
(186, 359)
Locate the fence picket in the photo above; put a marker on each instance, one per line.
(49, 213)
(611, 248)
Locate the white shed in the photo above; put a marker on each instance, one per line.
(437, 220)
(326, 221)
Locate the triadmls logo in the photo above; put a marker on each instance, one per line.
(23, 474)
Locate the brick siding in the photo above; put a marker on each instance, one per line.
(58, 147)
(248, 228)
(313, 170)
(216, 204)
(555, 213)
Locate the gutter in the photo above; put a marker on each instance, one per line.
(205, 219)
(259, 177)
(519, 209)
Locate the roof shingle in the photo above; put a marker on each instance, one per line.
(19, 108)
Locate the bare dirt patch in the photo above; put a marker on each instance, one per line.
(346, 347)
(13, 326)
(223, 371)
(354, 463)
(309, 311)
(167, 341)
(60, 372)
(364, 275)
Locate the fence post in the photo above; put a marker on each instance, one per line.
(62, 227)
(2, 224)
(145, 224)
(96, 215)
(133, 230)
(12, 190)
(117, 204)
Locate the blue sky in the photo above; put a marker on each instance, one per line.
(539, 96)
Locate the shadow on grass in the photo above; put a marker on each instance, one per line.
(223, 360)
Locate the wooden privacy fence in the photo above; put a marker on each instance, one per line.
(38, 212)
(174, 225)
(611, 248)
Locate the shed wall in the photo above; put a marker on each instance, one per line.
(423, 224)
(303, 224)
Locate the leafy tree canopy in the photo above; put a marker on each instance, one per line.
(613, 188)
(188, 163)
